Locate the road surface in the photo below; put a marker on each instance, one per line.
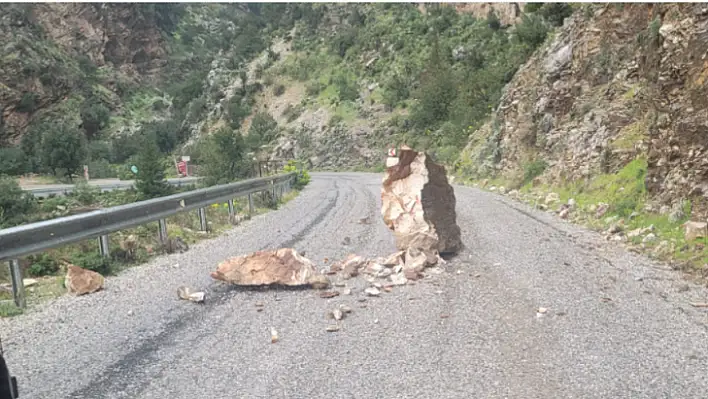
(616, 325)
(43, 190)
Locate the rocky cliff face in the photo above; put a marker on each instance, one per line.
(106, 33)
(508, 13)
(44, 45)
(616, 83)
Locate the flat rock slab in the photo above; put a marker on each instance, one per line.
(418, 204)
(280, 267)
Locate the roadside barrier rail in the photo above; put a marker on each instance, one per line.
(36, 237)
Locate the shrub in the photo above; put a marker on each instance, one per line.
(85, 193)
(28, 102)
(42, 265)
(12, 161)
(63, 147)
(534, 169)
(94, 117)
(303, 177)
(278, 90)
(531, 31)
(555, 13)
(92, 261)
(263, 130)
(15, 204)
(224, 157)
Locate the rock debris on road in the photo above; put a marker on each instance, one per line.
(531, 308)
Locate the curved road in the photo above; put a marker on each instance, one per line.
(616, 325)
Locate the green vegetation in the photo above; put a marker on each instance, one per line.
(303, 176)
(223, 157)
(150, 181)
(625, 196)
(446, 70)
(15, 204)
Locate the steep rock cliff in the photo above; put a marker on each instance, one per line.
(47, 46)
(616, 83)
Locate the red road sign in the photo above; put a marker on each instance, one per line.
(182, 167)
(391, 152)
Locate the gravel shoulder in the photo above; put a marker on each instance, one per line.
(616, 324)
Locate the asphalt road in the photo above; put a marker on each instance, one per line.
(43, 190)
(616, 325)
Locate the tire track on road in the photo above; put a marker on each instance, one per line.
(120, 377)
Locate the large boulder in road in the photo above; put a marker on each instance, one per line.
(418, 204)
(279, 267)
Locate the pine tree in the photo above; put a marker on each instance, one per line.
(150, 181)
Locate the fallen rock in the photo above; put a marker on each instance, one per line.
(80, 281)
(394, 259)
(411, 274)
(552, 198)
(416, 260)
(398, 279)
(614, 229)
(189, 294)
(372, 291)
(651, 237)
(373, 268)
(350, 267)
(332, 328)
(695, 230)
(281, 267)
(28, 282)
(419, 204)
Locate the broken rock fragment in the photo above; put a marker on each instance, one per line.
(189, 294)
(351, 265)
(418, 204)
(695, 230)
(80, 281)
(280, 267)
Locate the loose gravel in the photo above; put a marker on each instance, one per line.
(615, 324)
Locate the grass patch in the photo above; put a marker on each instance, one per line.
(8, 309)
(626, 195)
(629, 136)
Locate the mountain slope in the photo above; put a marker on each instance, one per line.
(618, 83)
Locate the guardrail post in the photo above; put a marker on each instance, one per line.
(162, 230)
(202, 219)
(18, 285)
(250, 205)
(103, 248)
(232, 210)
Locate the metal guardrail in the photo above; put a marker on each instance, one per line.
(63, 189)
(36, 237)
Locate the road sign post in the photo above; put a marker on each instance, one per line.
(392, 158)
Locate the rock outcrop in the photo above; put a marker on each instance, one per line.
(280, 267)
(43, 43)
(618, 82)
(80, 281)
(418, 204)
